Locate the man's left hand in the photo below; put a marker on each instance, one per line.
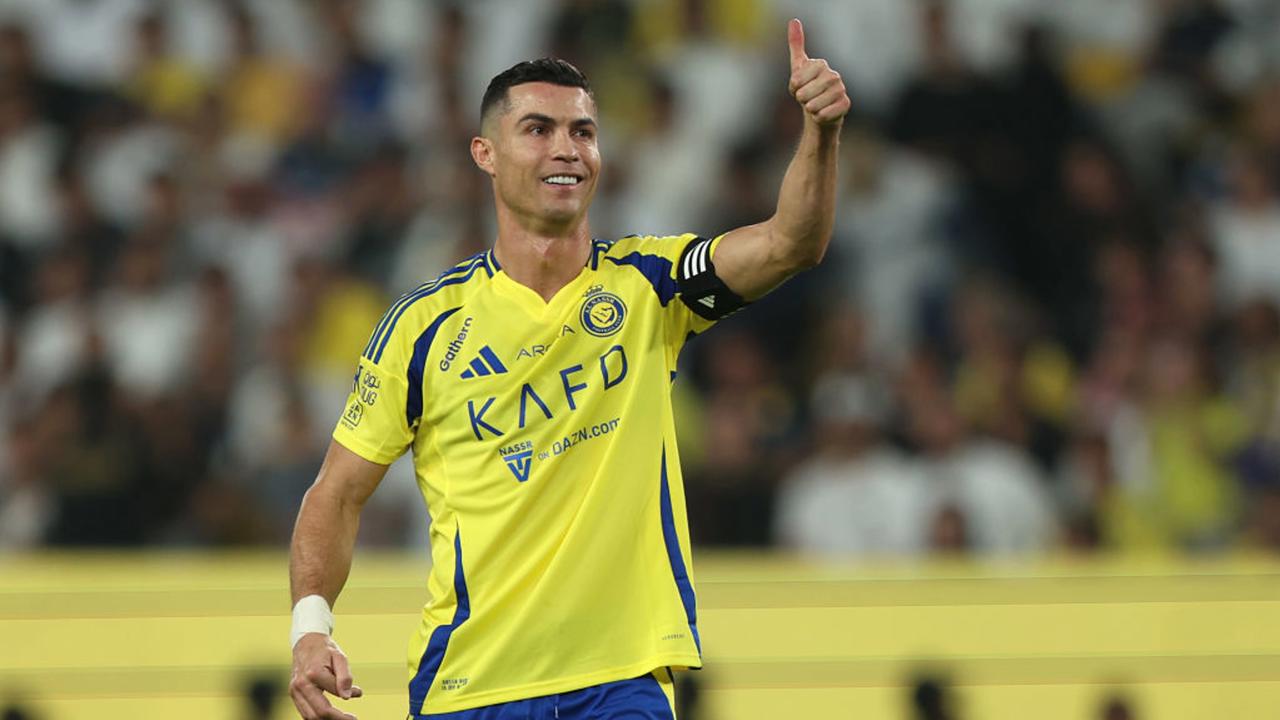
(814, 85)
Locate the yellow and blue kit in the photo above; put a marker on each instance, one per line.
(544, 444)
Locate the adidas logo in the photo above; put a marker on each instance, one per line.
(708, 301)
(486, 364)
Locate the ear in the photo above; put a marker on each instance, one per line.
(482, 154)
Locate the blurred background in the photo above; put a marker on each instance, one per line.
(1047, 330)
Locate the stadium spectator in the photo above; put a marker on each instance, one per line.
(1246, 232)
(747, 415)
(856, 496)
(891, 238)
(991, 487)
(261, 89)
(167, 85)
(29, 149)
(26, 504)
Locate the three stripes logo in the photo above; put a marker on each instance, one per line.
(487, 363)
(695, 261)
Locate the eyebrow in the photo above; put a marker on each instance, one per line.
(539, 117)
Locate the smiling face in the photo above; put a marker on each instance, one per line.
(540, 149)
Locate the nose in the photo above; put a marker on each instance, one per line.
(563, 147)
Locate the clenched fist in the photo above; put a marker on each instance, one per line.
(817, 87)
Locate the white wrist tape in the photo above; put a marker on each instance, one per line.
(311, 615)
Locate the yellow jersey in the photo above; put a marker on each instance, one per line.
(544, 444)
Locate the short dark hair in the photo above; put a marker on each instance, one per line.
(548, 70)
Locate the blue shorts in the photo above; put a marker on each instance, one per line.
(648, 697)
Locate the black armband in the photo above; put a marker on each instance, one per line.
(700, 288)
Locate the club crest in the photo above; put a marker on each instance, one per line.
(603, 314)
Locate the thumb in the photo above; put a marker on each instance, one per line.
(795, 41)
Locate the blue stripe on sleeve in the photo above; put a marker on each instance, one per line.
(655, 268)
(397, 308)
(368, 347)
(407, 297)
(417, 364)
(425, 292)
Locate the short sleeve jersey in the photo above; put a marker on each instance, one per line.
(544, 444)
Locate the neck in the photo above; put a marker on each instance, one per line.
(542, 259)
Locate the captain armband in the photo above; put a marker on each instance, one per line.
(700, 288)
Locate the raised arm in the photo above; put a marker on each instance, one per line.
(755, 259)
(319, 561)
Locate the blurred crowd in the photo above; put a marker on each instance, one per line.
(1049, 318)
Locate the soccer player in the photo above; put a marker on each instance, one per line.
(532, 384)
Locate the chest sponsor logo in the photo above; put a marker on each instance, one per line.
(540, 400)
(603, 313)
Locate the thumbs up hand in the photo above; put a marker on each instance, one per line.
(817, 87)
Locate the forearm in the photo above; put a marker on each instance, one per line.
(753, 260)
(801, 226)
(323, 541)
(319, 561)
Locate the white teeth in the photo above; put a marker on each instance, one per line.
(562, 180)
